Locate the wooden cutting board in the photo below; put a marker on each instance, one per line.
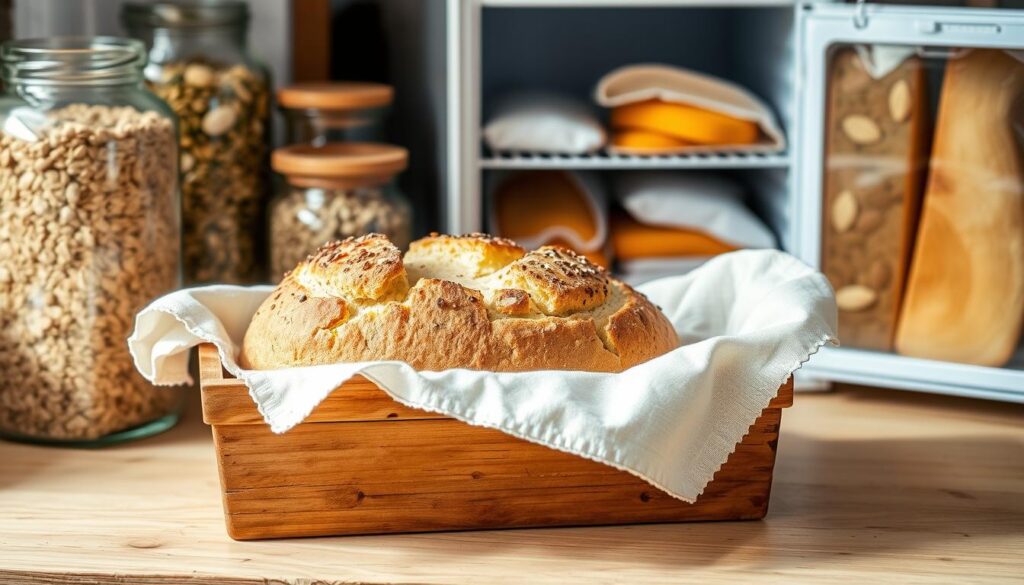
(965, 294)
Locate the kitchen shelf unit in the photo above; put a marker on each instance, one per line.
(567, 45)
(775, 66)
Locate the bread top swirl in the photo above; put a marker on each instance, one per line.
(472, 301)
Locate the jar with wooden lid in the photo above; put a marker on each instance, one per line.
(347, 111)
(200, 65)
(333, 192)
(89, 235)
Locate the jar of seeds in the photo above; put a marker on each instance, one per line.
(198, 63)
(344, 111)
(333, 192)
(89, 234)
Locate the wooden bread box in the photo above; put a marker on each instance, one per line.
(365, 464)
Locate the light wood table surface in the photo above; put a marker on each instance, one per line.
(871, 486)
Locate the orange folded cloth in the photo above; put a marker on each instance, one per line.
(632, 240)
(531, 203)
(643, 140)
(683, 122)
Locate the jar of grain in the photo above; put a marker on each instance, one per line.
(199, 64)
(348, 111)
(89, 234)
(333, 192)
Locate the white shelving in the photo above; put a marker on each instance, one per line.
(605, 161)
(549, 44)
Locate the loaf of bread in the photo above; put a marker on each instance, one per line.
(471, 301)
(965, 291)
(876, 157)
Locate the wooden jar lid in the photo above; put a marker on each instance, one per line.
(339, 163)
(344, 95)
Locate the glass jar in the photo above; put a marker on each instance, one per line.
(333, 192)
(89, 234)
(198, 63)
(321, 113)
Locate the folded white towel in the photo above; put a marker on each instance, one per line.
(748, 320)
(643, 270)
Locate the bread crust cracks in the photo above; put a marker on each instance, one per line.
(474, 301)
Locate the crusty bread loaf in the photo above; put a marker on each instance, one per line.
(454, 302)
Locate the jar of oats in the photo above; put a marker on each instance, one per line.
(89, 234)
(199, 64)
(332, 192)
(344, 111)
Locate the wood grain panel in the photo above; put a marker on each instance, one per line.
(226, 400)
(362, 463)
(311, 40)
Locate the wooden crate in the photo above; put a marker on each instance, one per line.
(363, 464)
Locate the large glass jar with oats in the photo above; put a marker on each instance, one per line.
(89, 234)
(198, 63)
(333, 192)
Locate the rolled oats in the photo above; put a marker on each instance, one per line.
(88, 235)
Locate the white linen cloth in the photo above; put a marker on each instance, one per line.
(747, 320)
(696, 201)
(643, 270)
(543, 123)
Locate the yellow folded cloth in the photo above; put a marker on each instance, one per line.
(682, 122)
(632, 240)
(530, 203)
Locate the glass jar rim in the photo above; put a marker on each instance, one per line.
(99, 60)
(185, 14)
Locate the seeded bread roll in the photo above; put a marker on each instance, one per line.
(454, 302)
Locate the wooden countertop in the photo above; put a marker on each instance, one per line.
(871, 486)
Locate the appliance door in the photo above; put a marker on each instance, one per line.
(910, 193)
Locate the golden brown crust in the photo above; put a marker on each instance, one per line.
(560, 281)
(491, 307)
(365, 268)
(639, 329)
(512, 301)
